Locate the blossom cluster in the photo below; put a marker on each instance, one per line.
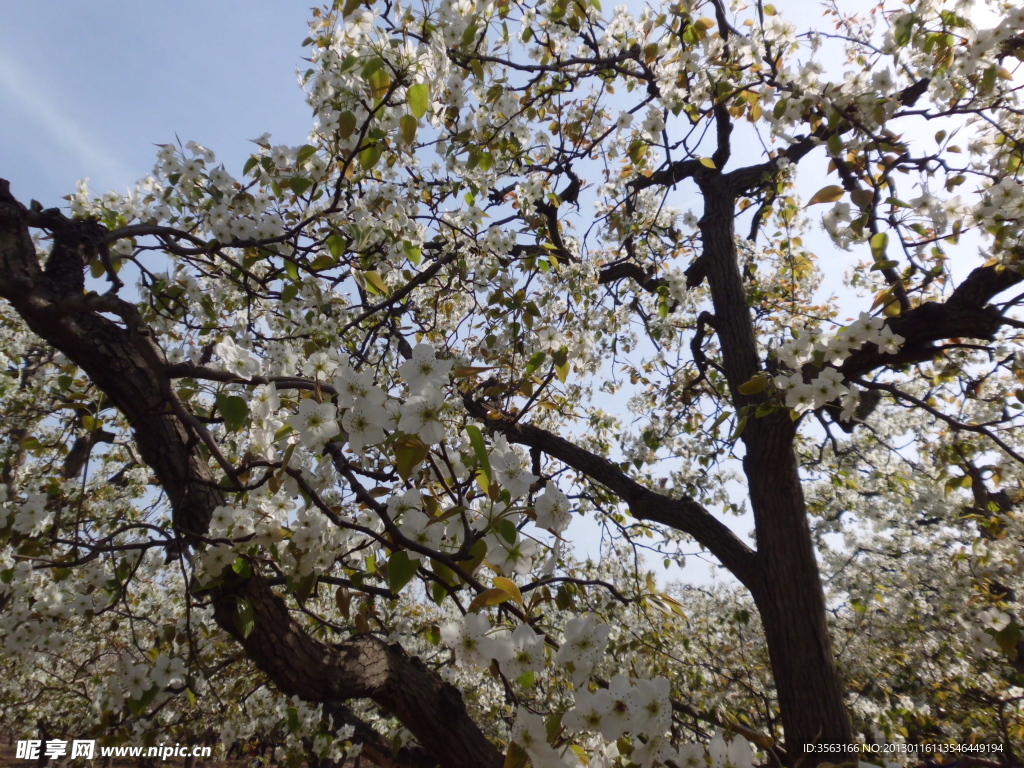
(828, 352)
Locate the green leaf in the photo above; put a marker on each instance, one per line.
(443, 572)
(829, 194)
(476, 439)
(337, 244)
(290, 292)
(400, 570)
(419, 99)
(879, 242)
(755, 385)
(305, 152)
(835, 144)
(323, 261)
(707, 162)
(369, 156)
(346, 124)
(1008, 638)
(412, 253)
(408, 125)
(234, 409)
(535, 362)
(245, 618)
(291, 269)
(409, 451)
(241, 567)
(298, 184)
(375, 283)
(507, 530)
(897, 202)
(350, 6)
(477, 553)
(553, 727)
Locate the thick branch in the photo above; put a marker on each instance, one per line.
(683, 514)
(965, 314)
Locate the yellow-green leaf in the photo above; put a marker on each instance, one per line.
(516, 756)
(862, 198)
(375, 282)
(419, 99)
(755, 385)
(408, 125)
(488, 598)
(707, 162)
(879, 242)
(829, 194)
(510, 587)
(409, 451)
(369, 156)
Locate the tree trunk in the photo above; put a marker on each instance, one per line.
(788, 591)
(127, 365)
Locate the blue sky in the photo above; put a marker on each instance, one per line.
(88, 88)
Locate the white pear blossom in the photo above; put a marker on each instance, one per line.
(421, 415)
(416, 526)
(530, 734)
(423, 371)
(470, 641)
(365, 422)
(730, 754)
(553, 510)
(585, 641)
(527, 652)
(236, 359)
(315, 422)
(510, 467)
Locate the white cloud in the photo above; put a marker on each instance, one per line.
(33, 101)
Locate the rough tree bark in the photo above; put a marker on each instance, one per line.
(124, 361)
(789, 593)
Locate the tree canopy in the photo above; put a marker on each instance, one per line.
(299, 451)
